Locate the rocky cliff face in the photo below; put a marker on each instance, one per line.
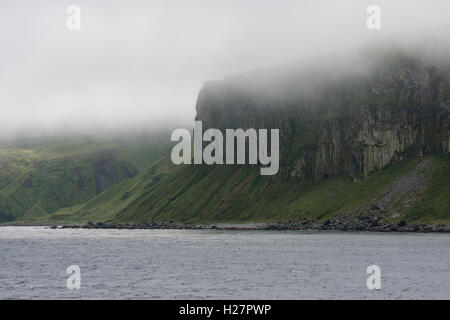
(354, 121)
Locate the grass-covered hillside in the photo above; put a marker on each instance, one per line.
(40, 176)
(416, 191)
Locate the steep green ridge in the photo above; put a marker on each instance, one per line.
(40, 176)
(201, 194)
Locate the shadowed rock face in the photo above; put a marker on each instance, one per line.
(353, 122)
(28, 184)
(109, 171)
(105, 173)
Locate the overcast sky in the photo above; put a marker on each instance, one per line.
(142, 63)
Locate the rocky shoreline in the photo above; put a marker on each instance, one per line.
(305, 225)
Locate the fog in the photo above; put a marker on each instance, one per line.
(141, 64)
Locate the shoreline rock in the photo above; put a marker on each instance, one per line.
(306, 225)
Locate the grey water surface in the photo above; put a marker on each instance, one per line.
(213, 264)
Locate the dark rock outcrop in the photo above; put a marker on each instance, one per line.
(105, 173)
(28, 183)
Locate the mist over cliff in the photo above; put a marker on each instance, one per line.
(353, 116)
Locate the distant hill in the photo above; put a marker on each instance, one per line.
(40, 176)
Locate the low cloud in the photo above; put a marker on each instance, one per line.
(141, 63)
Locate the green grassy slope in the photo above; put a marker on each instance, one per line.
(38, 178)
(435, 206)
(212, 194)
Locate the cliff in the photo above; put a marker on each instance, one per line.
(352, 121)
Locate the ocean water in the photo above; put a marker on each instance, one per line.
(201, 264)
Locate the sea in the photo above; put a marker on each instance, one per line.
(45, 263)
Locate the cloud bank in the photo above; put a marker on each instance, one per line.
(141, 63)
